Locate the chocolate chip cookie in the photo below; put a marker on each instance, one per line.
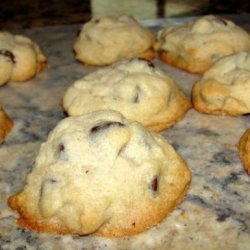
(112, 38)
(101, 173)
(136, 88)
(225, 88)
(20, 58)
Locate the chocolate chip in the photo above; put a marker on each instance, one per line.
(61, 152)
(51, 180)
(136, 98)
(8, 54)
(150, 64)
(154, 184)
(61, 147)
(221, 20)
(105, 126)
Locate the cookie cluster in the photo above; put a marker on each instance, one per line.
(104, 169)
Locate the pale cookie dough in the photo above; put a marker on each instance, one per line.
(195, 46)
(20, 58)
(112, 38)
(100, 173)
(136, 88)
(244, 150)
(5, 124)
(225, 88)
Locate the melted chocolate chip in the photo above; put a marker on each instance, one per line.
(105, 126)
(8, 54)
(154, 184)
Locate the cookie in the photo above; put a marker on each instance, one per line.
(20, 58)
(5, 124)
(224, 89)
(195, 46)
(112, 38)
(136, 88)
(101, 173)
(244, 150)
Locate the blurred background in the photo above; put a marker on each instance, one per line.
(37, 13)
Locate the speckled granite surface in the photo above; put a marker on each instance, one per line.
(216, 211)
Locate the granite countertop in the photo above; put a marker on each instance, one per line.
(216, 211)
